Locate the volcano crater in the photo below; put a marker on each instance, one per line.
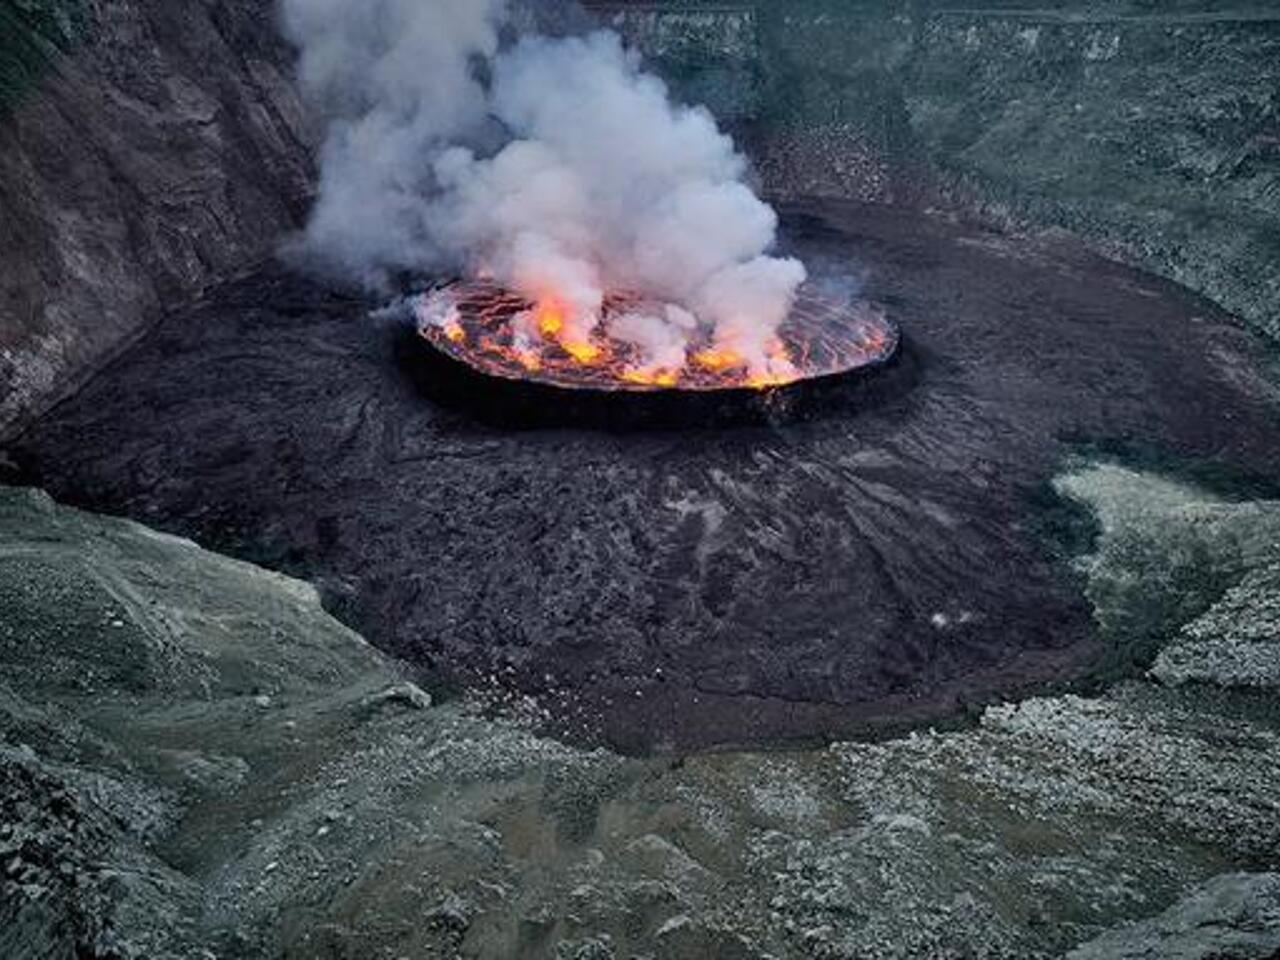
(676, 589)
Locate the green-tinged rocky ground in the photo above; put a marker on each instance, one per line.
(197, 761)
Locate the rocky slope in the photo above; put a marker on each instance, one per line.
(196, 761)
(146, 148)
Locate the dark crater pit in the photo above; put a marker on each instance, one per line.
(876, 561)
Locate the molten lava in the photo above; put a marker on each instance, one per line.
(503, 334)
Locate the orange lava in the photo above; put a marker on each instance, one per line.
(652, 378)
(478, 323)
(550, 317)
(454, 331)
(718, 360)
(583, 351)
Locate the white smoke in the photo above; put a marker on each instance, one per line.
(554, 164)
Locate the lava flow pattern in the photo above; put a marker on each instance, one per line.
(504, 334)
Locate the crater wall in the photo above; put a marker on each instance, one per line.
(147, 148)
(1150, 129)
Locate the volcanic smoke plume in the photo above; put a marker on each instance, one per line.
(553, 166)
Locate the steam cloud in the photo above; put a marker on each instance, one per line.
(554, 164)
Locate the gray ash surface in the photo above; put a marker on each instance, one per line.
(681, 589)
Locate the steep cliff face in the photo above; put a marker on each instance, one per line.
(146, 148)
(1152, 130)
(1157, 136)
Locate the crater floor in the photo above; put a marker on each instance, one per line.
(683, 589)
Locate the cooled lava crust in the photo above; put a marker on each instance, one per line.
(842, 352)
(681, 589)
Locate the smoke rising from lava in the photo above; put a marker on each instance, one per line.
(555, 165)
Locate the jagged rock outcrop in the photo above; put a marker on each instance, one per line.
(146, 149)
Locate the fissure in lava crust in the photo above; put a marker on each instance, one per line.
(503, 334)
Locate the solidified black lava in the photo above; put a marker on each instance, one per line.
(699, 587)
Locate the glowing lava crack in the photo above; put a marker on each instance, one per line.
(502, 334)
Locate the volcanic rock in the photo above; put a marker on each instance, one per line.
(401, 694)
(1236, 916)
